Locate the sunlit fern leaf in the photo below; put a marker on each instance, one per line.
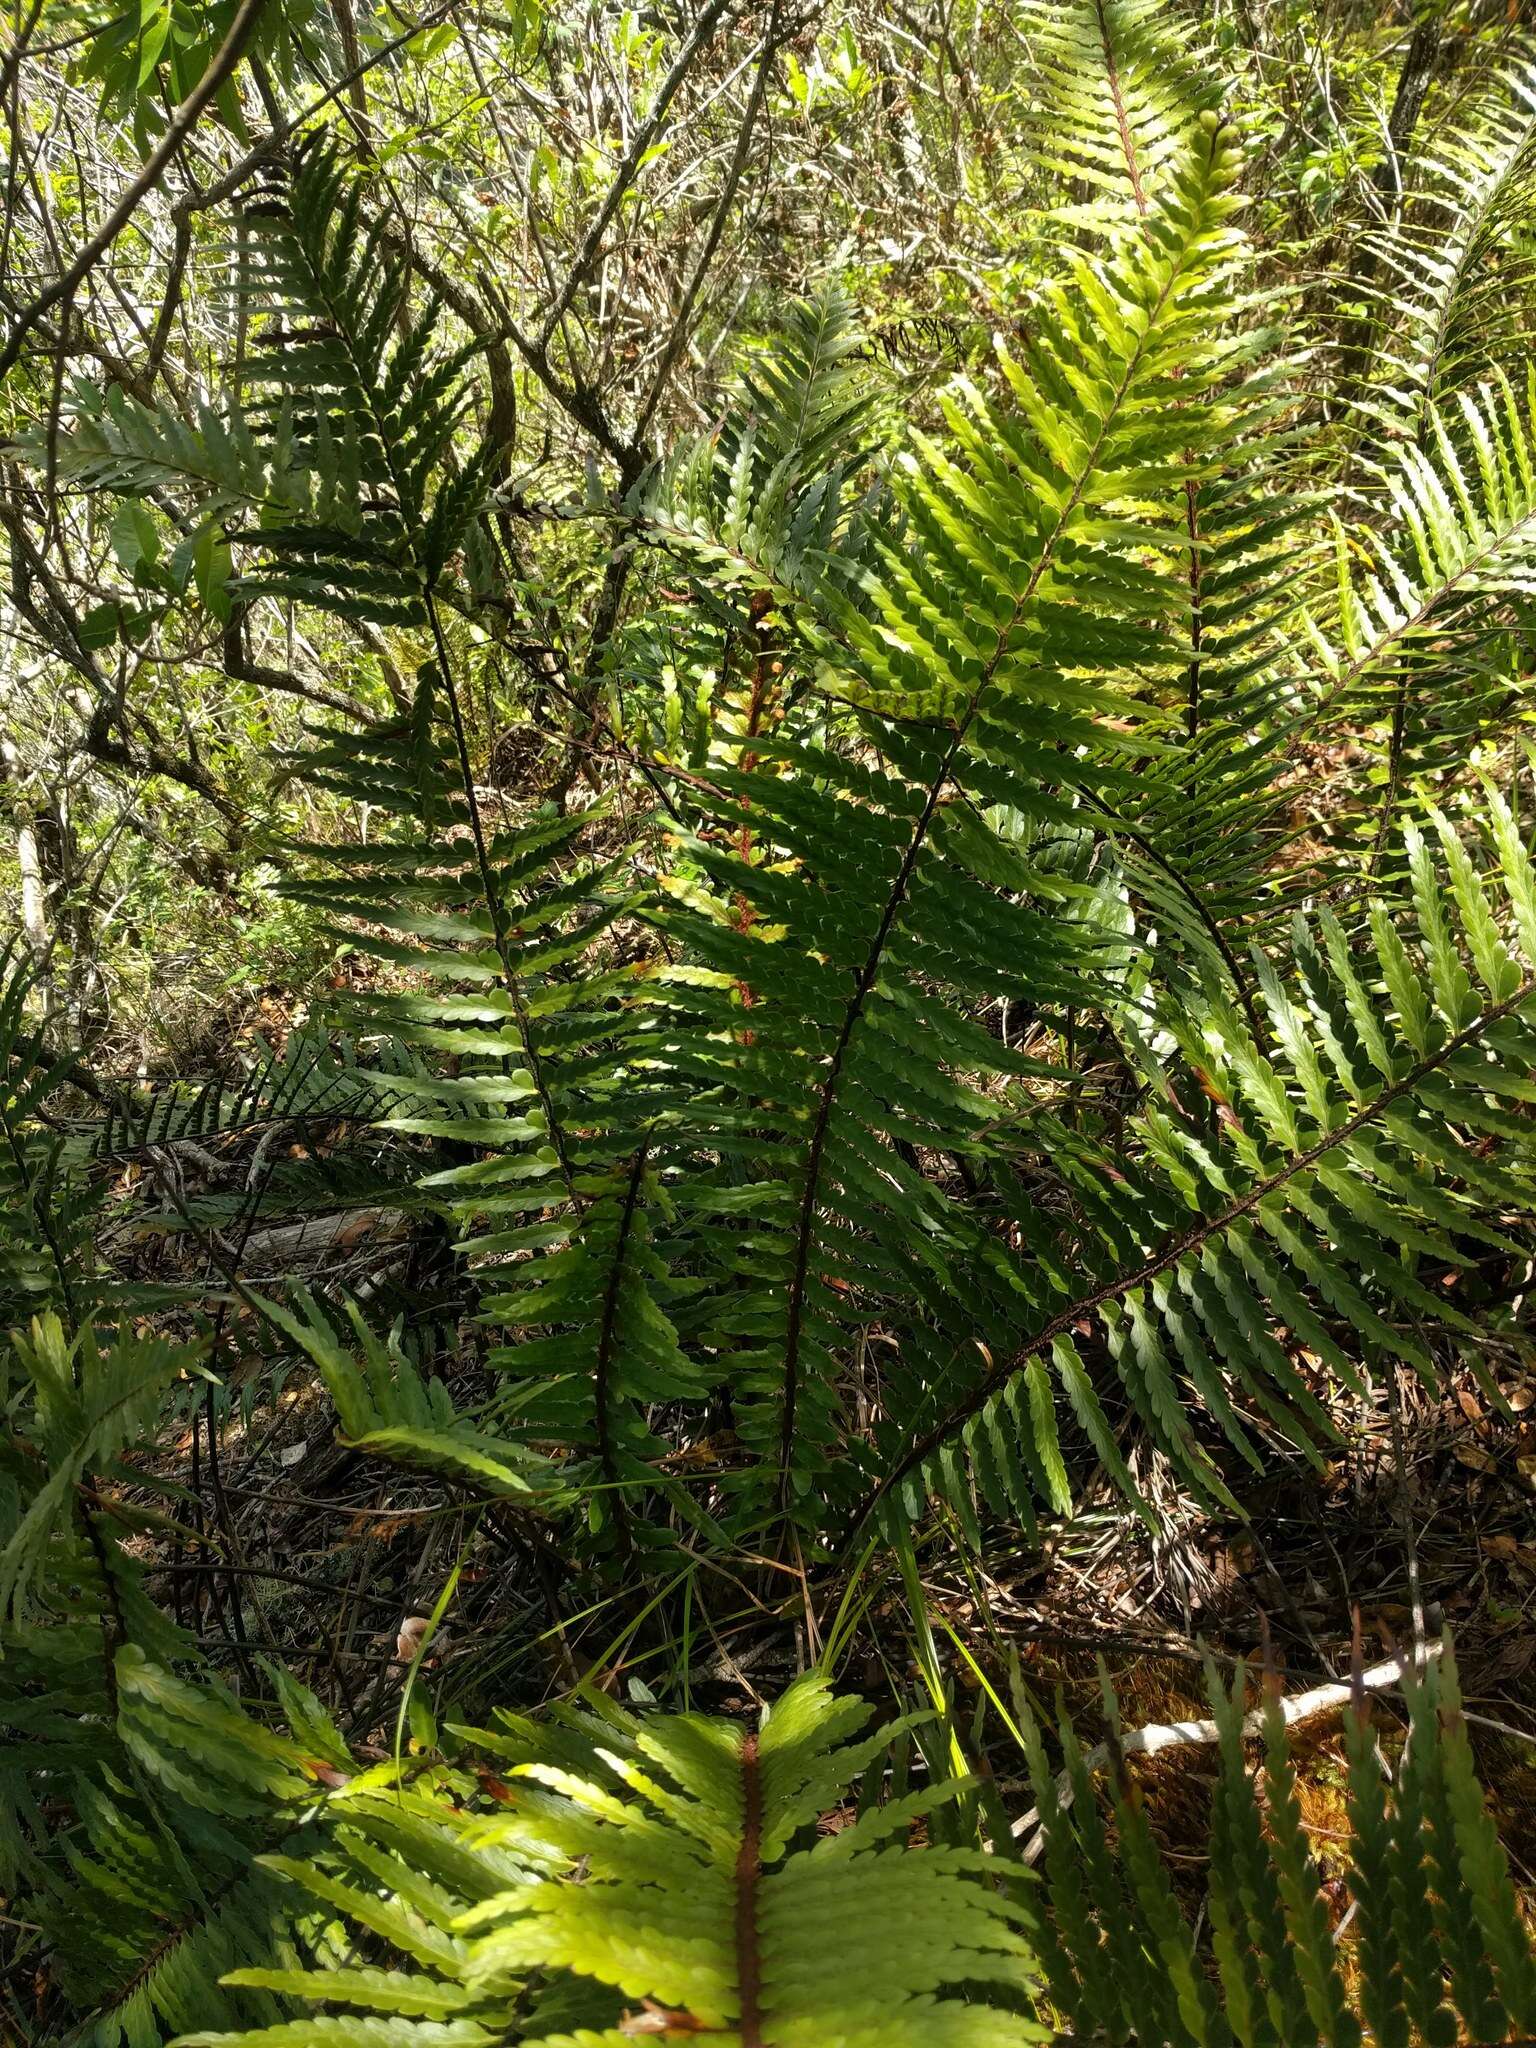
(681, 1868)
(1122, 86)
(599, 1876)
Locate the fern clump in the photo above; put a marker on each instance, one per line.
(924, 962)
(675, 1875)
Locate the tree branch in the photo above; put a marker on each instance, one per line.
(220, 67)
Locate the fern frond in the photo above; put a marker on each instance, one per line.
(333, 471)
(1124, 88)
(766, 503)
(308, 1081)
(1452, 272)
(667, 1875)
(546, 1126)
(1333, 1189)
(1435, 592)
(387, 1410)
(856, 916)
(133, 1790)
(88, 1404)
(702, 1891)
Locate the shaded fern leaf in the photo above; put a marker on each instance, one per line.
(1324, 1181)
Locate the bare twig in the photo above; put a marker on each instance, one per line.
(1161, 1735)
(221, 65)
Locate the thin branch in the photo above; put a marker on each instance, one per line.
(263, 151)
(624, 177)
(773, 36)
(220, 67)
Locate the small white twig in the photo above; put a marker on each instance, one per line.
(1162, 1735)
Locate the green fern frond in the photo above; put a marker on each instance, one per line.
(1452, 274)
(160, 1896)
(1330, 1193)
(677, 1864)
(1435, 589)
(676, 1875)
(1123, 89)
(46, 1212)
(856, 916)
(87, 1404)
(133, 1790)
(545, 1129)
(767, 502)
(333, 469)
(307, 1081)
(113, 442)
